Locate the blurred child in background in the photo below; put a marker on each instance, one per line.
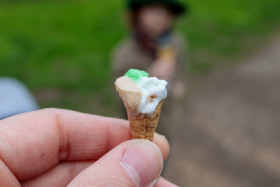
(153, 46)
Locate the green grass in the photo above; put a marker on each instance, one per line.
(61, 49)
(221, 31)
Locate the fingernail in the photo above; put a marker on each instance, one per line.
(143, 161)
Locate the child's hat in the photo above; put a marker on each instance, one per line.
(175, 6)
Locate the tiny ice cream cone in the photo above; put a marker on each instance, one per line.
(143, 98)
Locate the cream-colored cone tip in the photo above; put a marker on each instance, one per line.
(129, 92)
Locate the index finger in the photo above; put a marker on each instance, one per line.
(34, 142)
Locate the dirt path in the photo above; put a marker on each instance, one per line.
(229, 130)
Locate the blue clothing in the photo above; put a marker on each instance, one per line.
(15, 98)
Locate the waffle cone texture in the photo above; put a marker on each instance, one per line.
(143, 126)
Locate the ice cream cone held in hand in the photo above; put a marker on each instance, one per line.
(143, 98)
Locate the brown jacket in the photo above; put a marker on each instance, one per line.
(128, 55)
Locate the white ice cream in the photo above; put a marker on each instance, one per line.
(153, 91)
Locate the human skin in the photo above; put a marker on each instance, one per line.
(155, 19)
(54, 147)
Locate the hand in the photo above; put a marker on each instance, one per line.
(55, 147)
(162, 69)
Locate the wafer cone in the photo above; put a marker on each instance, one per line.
(143, 126)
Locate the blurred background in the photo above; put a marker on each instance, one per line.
(227, 132)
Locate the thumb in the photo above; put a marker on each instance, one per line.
(133, 163)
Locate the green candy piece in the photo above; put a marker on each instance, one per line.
(136, 74)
